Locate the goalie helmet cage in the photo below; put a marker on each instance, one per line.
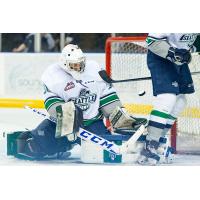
(126, 59)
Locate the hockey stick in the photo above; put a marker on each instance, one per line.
(103, 74)
(99, 141)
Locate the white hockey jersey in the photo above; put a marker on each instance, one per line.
(177, 40)
(90, 93)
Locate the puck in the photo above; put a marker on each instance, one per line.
(142, 93)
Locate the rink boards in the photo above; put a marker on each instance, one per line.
(141, 109)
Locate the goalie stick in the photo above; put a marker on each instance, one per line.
(99, 141)
(103, 74)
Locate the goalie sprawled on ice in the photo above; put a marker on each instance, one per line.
(77, 97)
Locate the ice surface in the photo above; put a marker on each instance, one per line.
(22, 119)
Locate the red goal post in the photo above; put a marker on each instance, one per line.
(108, 48)
(125, 59)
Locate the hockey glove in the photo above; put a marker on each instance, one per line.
(179, 56)
(69, 120)
(121, 119)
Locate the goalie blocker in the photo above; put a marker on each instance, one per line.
(69, 120)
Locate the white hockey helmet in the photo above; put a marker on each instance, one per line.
(73, 60)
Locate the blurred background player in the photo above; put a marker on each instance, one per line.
(73, 79)
(167, 59)
(47, 43)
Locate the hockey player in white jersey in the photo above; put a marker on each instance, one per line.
(73, 79)
(168, 57)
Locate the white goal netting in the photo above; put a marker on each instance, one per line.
(126, 59)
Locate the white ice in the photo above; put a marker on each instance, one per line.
(22, 119)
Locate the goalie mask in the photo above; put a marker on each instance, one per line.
(73, 60)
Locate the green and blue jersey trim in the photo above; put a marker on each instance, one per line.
(51, 101)
(150, 40)
(108, 99)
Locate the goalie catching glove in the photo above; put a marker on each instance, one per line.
(121, 120)
(69, 120)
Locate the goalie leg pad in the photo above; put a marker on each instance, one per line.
(38, 143)
(44, 135)
(22, 145)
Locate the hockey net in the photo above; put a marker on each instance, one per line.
(126, 59)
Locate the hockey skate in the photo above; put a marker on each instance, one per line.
(165, 152)
(156, 153)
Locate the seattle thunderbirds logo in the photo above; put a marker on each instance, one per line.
(84, 100)
(188, 38)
